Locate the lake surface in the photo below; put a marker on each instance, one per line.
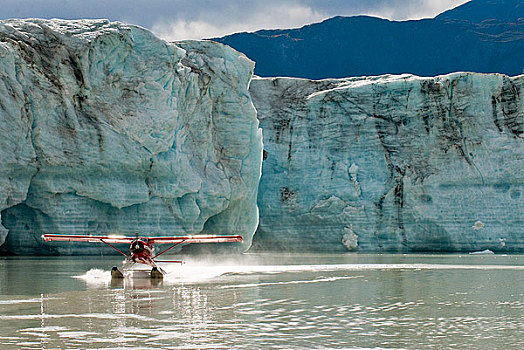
(259, 301)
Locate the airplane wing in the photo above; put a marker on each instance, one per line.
(48, 237)
(156, 240)
(196, 239)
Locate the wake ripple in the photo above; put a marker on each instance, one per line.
(198, 273)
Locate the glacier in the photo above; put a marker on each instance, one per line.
(108, 129)
(392, 163)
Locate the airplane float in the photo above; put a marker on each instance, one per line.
(141, 249)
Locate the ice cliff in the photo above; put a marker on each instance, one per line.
(107, 129)
(392, 163)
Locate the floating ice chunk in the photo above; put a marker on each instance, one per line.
(482, 252)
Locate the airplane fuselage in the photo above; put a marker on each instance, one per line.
(141, 251)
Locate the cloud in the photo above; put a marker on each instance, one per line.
(270, 16)
(401, 10)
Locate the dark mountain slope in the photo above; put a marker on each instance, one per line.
(353, 46)
(478, 11)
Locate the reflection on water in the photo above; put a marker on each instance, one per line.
(267, 301)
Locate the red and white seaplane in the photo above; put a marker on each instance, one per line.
(141, 249)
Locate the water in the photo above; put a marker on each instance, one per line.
(259, 301)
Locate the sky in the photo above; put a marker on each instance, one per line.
(197, 19)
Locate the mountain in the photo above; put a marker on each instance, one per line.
(483, 36)
(479, 11)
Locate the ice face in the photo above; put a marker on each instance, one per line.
(392, 163)
(108, 129)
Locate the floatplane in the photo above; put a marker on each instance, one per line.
(141, 249)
